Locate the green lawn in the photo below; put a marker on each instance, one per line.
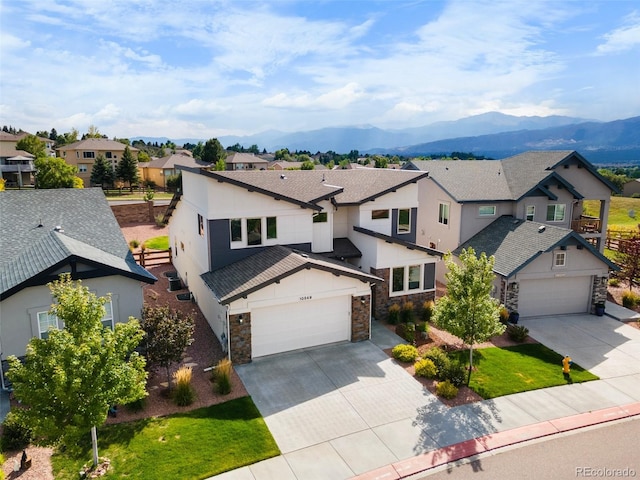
(136, 195)
(502, 371)
(189, 446)
(619, 210)
(158, 243)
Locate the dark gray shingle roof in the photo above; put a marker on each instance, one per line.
(268, 266)
(515, 243)
(30, 243)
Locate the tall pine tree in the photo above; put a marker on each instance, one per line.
(127, 169)
(102, 172)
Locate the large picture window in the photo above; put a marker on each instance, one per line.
(555, 213)
(397, 284)
(379, 214)
(404, 220)
(236, 230)
(254, 231)
(443, 213)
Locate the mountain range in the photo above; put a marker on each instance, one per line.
(493, 134)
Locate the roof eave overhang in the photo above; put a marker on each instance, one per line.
(589, 167)
(397, 241)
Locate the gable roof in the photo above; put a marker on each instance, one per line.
(33, 245)
(171, 161)
(271, 265)
(308, 187)
(241, 157)
(398, 241)
(515, 243)
(97, 144)
(504, 180)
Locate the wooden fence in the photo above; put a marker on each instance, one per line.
(617, 239)
(149, 258)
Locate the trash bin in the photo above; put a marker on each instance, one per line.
(175, 284)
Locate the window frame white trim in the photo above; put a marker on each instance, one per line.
(492, 214)
(50, 317)
(408, 228)
(265, 239)
(446, 217)
(557, 255)
(527, 214)
(555, 210)
(406, 289)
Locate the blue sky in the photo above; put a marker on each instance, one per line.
(200, 69)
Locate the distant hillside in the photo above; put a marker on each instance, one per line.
(610, 142)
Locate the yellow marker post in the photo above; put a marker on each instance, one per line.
(566, 364)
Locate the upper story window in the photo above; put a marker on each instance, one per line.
(46, 321)
(236, 230)
(88, 154)
(530, 212)
(379, 214)
(107, 155)
(443, 213)
(555, 213)
(200, 225)
(404, 220)
(320, 217)
(272, 228)
(487, 210)
(254, 228)
(254, 231)
(107, 320)
(560, 259)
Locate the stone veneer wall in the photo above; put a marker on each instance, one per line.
(240, 338)
(360, 318)
(513, 289)
(599, 291)
(384, 301)
(137, 212)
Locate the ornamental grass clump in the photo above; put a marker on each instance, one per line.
(394, 314)
(222, 376)
(427, 311)
(630, 299)
(405, 353)
(184, 393)
(517, 333)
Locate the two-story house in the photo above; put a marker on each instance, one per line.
(159, 169)
(83, 154)
(279, 261)
(16, 166)
(65, 230)
(527, 211)
(245, 161)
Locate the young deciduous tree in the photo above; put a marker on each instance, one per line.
(54, 172)
(33, 145)
(127, 169)
(467, 310)
(102, 172)
(169, 333)
(212, 152)
(628, 258)
(68, 381)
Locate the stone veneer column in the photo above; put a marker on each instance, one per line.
(360, 317)
(513, 289)
(599, 291)
(240, 338)
(381, 293)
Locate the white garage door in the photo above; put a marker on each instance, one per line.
(554, 296)
(299, 325)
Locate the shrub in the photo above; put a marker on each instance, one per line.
(446, 389)
(394, 314)
(134, 243)
(406, 312)
(425, 368)
(222, 376)
(184, 393)
(504, 315)
(455, 372)
(406, 331)
(423, 329)
(438, 357)
(16, 435)
(517, 333)
(405, 353)
(630, 299)
(614, 282)
(427, 311)
(149, 184)
(136, 406)
(1, 463)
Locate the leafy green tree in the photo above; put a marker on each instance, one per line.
(127, 169)
(197, 150)
(69, 380)
(628, 258)
(618, 179)
(282, 154)
(168, 334)
(253, 149)
(67, 138)
(307, 165)
(381, 162)
(467, 310)
(92, 133)
(212, 152)
(102, 172)
(33, 145)
(54, 172)
(220, 165)
(353, 155)
(143, 157)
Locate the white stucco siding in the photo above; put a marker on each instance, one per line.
(405, 197)
(341, 222)
(190, 249)
(19, 312)
(471, 222)
(430, 231)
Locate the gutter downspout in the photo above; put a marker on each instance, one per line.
(228, 334)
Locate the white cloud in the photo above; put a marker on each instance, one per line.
(11, 42)
(622, 38)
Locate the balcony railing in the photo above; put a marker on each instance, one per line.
(587, 225)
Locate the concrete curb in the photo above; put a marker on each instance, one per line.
(486, 443)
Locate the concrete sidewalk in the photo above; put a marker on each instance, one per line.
(362, 441)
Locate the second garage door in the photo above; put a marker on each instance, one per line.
(554, 296)
(306, 323)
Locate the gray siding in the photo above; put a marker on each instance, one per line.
(409, 237)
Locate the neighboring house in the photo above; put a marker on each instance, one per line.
(631, 188)
(279, 261)
(158, 169)
(16, 166)
(285, 165)
(49, 232)
(527, 210)
(49, 145)
(245, 161)
(83, 154)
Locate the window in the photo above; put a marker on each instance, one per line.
(272, 228)
(560, 259)
(443, 213)
(46, 321)
(82, 168)
(236, 230)
(414, 277)
(107, 155)
(531, 212)
(320, 217)
(487, 210)
(555, 213)
(107, 320)
(200, 225)
(88, 154)
(404, 220)
(254, 231)
(379, 214)
(397, 284)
